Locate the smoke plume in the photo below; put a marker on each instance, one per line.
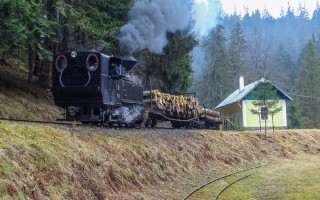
(149, 22)
(206, 16)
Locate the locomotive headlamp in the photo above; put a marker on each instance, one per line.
(73, 54)
(61, 63)
(92, 62)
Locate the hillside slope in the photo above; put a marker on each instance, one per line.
(22, 100)
(46, 162)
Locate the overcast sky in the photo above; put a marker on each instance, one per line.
(274, 6)
(205, 12)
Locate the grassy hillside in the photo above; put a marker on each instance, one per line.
(20, 99)
(43, 162)
(53, 162)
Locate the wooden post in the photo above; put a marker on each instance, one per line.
(265, 128)
(272, 124)
(259, 122)
(150, 96)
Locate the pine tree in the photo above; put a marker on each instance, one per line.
(315, 21)
(172, 71)
(307, 84)
(266, 103)
(23, 27)
(215, 83)
(87, 25)
(236, 50)
(285, 67)
(293, 117)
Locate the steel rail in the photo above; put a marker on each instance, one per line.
(79, 124)
(220, 178)
(229, 185)
(38, 121)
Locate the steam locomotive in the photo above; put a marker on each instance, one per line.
(91, 90)
(96, 88)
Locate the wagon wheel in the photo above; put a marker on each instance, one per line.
(189, 125)
(148, 123)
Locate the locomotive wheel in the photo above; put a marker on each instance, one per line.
(175, 125)
(105, 123)
(153, 123)
(129, 125)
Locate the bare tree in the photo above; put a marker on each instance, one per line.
(259, 55)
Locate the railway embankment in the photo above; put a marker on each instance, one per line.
(53, 162)
(22, 100)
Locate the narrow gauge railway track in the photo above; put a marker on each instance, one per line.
(79, 124)
(229, 185)
(38, 121)
(220, 178)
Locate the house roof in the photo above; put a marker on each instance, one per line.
(237, 96)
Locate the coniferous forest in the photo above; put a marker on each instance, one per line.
(255, 45)
(285, 50)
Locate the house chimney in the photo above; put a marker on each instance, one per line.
(241, 84)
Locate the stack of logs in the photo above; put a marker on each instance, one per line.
(175, 106)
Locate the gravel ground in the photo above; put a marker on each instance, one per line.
(133, 131)
(162, 129)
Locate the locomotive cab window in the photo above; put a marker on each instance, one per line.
(114, 67)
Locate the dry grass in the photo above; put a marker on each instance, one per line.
(42, 162)
(19, 99)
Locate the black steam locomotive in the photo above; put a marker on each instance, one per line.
(96, 88)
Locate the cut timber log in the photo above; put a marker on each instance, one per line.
(213, 119)
(149, 101)
(147, 93)
(178, 106)
(211, 113)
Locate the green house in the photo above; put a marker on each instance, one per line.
(236, 107)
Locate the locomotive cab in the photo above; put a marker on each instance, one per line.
(115, 70)
(90, 86)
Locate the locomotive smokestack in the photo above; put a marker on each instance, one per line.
(149, 22)
(128, 61)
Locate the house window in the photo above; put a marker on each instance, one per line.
(264, 113)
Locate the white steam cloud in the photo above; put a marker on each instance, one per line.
(129, 115)
(206, 15)
(149, 22)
